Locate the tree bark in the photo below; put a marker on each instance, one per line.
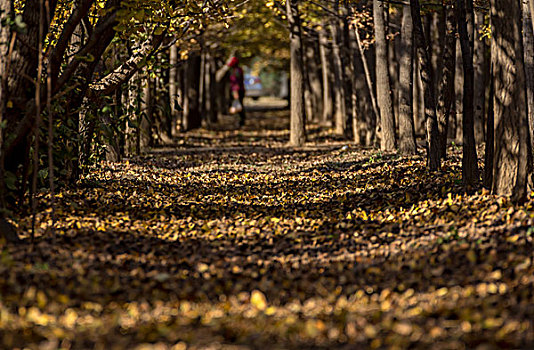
(433, 156)
(528, 40)
(328, 102)
(407, 144)
(459, 93)
(383, 88)
(173, 89)
(489, 153)
(368, 77)
(469, 160)
(340, 112)
(297, 123)
(191, 116)
(480, 67)
(511, 129)
(446, 86)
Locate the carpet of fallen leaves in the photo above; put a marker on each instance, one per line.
(230, 240)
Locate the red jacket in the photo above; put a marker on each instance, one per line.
(237, 79)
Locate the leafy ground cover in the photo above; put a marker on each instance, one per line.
(229, 240)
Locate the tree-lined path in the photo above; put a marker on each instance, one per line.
(260, 246)
(266, 174)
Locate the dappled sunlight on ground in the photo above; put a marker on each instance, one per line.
(230, 240)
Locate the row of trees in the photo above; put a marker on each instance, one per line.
(86, 79)
(392, 71)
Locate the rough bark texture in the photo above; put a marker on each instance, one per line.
(385, 103)
(407, 145)
(438, 37)
(489, 153)
(480, 67)
(511, 130)
(297, 124)
(458, 93)
(528, 40)
(433, 157)
(446, 86)
(125, 71)
(469, 160)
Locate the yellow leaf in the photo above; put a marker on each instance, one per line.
(258, 300)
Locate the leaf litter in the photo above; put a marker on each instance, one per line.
(230, 240)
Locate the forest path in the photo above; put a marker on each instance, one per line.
(230, 240)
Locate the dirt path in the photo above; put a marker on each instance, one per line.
(230, 240)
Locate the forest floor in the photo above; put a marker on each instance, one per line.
(231, 240)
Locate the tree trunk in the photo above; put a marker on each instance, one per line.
(407, 145)
(511, 129)
(315, 80)
(173, 90)
(489, 153)
(528, 40)
(418, 98)
(191, 116)
(459, 93)
(362, 112)
(368, 76)
(340, 112)
(433, 156)
(439, 32)
(146, 118)
(446, 86)
(469, 160)
(328, 103)
(480, 64)
(383, 88)
(297, 124)
(210, 90)
(308, 95)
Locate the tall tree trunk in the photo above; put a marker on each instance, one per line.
(511, 129)
(211, 90)
(433, 156)
(528, 40)
(297, 123)
(418, 98)
(489, 153)
(132, 99)
(368, 76)
(459, 94)
(362, 112)
(407, 145)
(383, 88)
(439, 32)
(173, 89)
(328, 103)
(147, 114)
(191, 117)
(446, 86)
(308, 95)
(480, 66)
(340, 112)
(315, 79)
(469, 160)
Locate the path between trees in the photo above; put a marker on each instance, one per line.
(230, 240)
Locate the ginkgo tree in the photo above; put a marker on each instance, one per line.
(70, 39)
